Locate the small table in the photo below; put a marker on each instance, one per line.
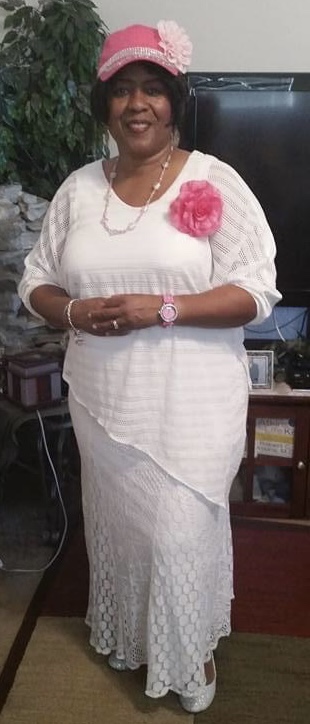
(57, 425)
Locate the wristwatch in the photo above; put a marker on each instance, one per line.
(168, 312)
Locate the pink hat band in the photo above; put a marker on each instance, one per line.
(167, 46)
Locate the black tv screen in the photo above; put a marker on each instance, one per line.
(261, 126)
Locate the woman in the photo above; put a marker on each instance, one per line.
(155, 260)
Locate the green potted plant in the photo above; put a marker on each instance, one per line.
(48, 60)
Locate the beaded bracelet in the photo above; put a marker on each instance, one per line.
(67, 315)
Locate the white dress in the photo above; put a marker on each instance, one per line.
(159, 415)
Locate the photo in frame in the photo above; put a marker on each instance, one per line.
(261, 368)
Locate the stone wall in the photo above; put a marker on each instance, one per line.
(21, 217)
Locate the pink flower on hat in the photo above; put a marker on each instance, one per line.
(175, 43)
(197, 210)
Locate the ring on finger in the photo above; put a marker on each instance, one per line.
(115, 324)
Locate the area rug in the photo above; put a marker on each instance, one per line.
(271, 578)
(62, 681)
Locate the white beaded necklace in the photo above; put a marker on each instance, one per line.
(132, 225)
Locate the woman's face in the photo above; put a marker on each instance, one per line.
(139, 111)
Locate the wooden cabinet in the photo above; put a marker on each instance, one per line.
(274, 477)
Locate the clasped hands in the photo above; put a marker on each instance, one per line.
(116, 315)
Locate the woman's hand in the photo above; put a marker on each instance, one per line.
(117, 315)
(225, 306)
(101, 316)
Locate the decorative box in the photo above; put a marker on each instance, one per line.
(34, 379)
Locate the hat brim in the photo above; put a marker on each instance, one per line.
(134, 55)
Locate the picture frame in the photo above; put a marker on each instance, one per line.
(261, 363)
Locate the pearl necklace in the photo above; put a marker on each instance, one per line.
(132, 225)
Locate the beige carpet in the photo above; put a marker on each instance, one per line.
(261, 679)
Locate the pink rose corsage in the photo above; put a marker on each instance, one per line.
(197, 210)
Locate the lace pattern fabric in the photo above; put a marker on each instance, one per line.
(160, 563)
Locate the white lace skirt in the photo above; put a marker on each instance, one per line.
(160, 561)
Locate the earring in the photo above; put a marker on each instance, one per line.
(175, 137)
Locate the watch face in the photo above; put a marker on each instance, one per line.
(168, 312)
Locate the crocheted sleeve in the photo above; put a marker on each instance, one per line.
(243, 249)
(42, 264)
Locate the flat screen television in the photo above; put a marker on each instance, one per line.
(260, 124)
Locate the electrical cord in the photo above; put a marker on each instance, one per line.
(277, 326)
(65, 528)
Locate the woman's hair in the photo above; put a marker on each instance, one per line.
(176, 87)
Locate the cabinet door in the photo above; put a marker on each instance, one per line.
(272, 480)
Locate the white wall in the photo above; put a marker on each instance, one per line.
(236, 35)
(228, 35)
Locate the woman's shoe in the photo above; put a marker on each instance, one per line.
(116, 663)
(195, 704)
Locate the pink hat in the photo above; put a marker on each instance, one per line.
(167, 46)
